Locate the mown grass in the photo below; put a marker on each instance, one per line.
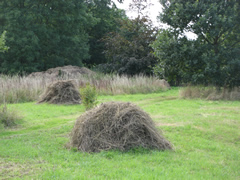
(205, 135)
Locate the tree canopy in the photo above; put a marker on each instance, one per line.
(214, 57)
(128, 50)
(44, 34)
(50, 33)
(107, 15)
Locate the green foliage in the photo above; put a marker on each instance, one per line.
(179, 59)
(107, 14)
(88, 96)
(3, 47)
(8, 117)
(213, 58)
(44, 34)
(128, 50)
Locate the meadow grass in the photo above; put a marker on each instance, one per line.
(8, 117)
(17, 89)
(205, 135)
(210, 93)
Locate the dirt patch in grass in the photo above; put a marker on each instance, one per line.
(169, 124)
(161, 98)
(205, 115)
(145, 102)
(201, 128)
(237, 109)
(116, 125)
(12, 170)
(157, 117)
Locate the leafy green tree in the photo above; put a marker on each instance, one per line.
(214, 55)
(3, 47)
(44, 34)
(128, 50)
(179, 59)
(107, 14)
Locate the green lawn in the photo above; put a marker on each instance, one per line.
(205, 135)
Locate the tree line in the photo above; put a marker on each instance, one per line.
(45, 34)
(214, 56)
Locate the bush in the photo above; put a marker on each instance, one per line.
(8, 117)
(89, 96)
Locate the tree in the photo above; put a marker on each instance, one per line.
(44, 34)
(107, 14)
(128, 50)
(179, 59)
(3, 47)
(215, 52)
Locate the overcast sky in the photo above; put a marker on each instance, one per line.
(153, 10)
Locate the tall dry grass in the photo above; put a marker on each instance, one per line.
(8, 116)
(210, 93)
(16, 89)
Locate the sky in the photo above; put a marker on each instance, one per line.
(153, 10)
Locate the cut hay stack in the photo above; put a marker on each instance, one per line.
(116, 125)
(61, 92)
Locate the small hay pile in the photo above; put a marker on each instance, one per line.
(61, 92)
(116, 125)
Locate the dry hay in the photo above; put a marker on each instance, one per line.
(211, 93)
(61, 92)
(116, 125)
(71, 71)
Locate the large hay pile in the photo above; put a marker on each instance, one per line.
(61, 92)
(68, 71)
(116, 125)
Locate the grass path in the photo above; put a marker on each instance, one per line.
(205, 134)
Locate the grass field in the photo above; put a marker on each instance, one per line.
(205, 135)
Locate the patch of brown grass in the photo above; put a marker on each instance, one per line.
(13, 170)
(169, 124)
(8, 116)
(210, 93)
